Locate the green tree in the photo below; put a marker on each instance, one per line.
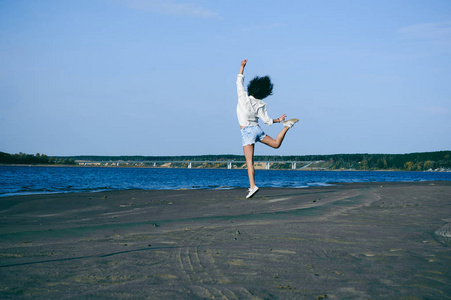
(364, 165)
(428, 165)
(408, 165)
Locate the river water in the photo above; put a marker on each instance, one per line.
(19, 180)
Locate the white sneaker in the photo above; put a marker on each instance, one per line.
(252, 192)
(290, 123)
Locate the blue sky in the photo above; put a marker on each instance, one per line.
(154, 77)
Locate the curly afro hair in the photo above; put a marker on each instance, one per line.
(260, 87)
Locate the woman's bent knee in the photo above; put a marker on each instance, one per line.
(274, 144)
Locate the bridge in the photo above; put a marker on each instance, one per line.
(190, 163)
(267, 164)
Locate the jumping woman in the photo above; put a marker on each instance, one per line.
(250, 108)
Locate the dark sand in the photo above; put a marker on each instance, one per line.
(356, 241)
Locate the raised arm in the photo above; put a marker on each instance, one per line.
(243, 64)
(240, 82)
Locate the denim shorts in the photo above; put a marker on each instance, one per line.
(252, 134)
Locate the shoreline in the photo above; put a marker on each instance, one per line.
(355, 240)
(259, 169)
(221, 188)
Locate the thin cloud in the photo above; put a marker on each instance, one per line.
(170, 7)
(439, 31)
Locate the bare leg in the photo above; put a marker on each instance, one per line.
(275, 143)
(249, 155)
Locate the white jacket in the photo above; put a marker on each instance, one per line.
(250, 109)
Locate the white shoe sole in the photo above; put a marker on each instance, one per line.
(251, 194)
(290, 123)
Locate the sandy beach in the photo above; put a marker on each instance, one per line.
(353, 241)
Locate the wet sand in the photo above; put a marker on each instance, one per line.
(354, 241)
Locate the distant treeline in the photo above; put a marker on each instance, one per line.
(408, 162)
(34, 159)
